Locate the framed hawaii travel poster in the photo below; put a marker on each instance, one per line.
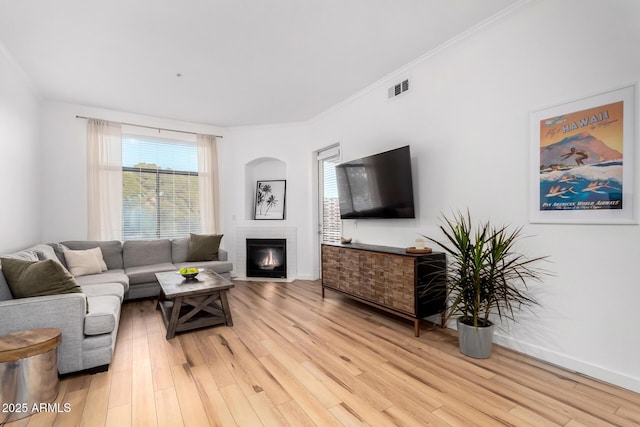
(582, 160)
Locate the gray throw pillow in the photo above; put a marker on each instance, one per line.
(34, 278)
(204, 247)
(44, 252)
(27, 255)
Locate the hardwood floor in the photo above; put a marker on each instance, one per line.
(294, 359)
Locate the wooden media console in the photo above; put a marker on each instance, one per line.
(411, 286)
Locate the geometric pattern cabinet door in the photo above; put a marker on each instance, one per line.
(349, 271)
(399, 275)
(407, 285)
(372, 280)
(331, 266)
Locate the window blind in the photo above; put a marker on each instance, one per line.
(331, 225)
(160, 188)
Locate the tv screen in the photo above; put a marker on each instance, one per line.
(377, 186)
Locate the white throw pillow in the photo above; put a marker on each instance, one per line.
(81, 263)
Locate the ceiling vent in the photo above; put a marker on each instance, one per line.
(399, 89)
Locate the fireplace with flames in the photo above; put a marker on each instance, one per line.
(267, 258)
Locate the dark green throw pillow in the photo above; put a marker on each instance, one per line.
(35, 278)
(204, 247)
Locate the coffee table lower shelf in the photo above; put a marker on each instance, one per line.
(188, 313)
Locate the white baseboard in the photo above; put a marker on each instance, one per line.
(565, 362)
(569, 363)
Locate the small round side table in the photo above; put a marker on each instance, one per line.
(28, 371)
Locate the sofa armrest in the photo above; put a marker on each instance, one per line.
(222, 255)
(64, 311)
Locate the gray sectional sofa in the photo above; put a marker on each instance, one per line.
(89, 320)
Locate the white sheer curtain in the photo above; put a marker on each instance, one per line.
(104, 180)
(208, 184)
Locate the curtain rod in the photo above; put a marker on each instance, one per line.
(148, 127)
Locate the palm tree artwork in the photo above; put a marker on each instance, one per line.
(263, 190)
(260, 200)
(270, 197)
(271, 202)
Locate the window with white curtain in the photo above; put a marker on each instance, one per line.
(160, 189)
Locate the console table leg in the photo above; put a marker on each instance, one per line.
(416, 327)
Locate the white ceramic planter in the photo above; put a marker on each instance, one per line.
(475, 342)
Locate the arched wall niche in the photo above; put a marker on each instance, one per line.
(261, 169)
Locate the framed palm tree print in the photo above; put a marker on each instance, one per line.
(270, 198)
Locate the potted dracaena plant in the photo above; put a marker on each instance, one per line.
(485, 276)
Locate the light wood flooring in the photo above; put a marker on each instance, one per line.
(294, 359)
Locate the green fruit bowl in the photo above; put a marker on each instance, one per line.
(189, 273)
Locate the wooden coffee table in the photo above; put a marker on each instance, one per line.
(188, 304)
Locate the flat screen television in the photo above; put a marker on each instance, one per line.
(377, 186)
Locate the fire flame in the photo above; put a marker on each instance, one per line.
(269, 263)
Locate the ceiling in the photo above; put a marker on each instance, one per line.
(224, 62)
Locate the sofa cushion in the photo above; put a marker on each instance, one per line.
(179, 249)
(143, 290)
(111, 250)
(147, 273)
(204, 247)
(83, 262)
(146, 252)
(93, 349)
(58, 250)
(101, 318)
(33, 278)
(5, 292)
(44, 252)
(109, 276)
(27, 255)
(217, 266)
(101, 289)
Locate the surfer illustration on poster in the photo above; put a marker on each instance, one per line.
(582, 160)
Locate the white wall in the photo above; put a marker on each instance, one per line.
(20, 176)
(64, 164)
(466, 118)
